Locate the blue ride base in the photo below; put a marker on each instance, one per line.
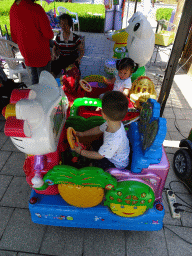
(53, 210)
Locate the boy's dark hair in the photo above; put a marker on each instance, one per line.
(115, 105)
(127, 63)
(67, 17)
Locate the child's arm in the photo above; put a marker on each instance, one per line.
(109, 81)
(126, 91)
(81, 52)
(127, 86)
(88, 154)
(94, 131)
(55, 52)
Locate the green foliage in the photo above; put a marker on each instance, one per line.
(81, 9)
(5, 6)
(135, 1)
(169, 1)
(92, 23)
(164, 13)
(91, 16)
(4, 20)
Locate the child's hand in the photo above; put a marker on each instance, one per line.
(78, 60)
(55, 54)
(78, 149)
(126, 92)
(109, 81)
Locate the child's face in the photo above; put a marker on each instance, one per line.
(124, 73)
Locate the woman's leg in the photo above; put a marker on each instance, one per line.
(34, 75)
(47, 68)
(56, 66)
(62, 63)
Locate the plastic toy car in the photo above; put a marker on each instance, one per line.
(91, 86)
(67, 191)
(182, 161)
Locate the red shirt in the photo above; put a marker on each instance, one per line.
(31, 30)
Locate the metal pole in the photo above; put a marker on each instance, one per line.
(114, 11)
(182, 32)
(135, 6)
(127, 18)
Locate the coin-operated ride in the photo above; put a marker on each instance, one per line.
(34, 121)
(91, 86)
(72, 193)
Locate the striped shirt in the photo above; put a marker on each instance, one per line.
(68, 48)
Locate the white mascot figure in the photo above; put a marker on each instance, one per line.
(35, 116)
(141, 39)
(34, 121)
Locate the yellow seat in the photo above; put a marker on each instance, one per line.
(95, 78)
(142, 89)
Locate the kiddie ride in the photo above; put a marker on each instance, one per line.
(139, 39)
(91, 86)
(63, 194)
(94, 85)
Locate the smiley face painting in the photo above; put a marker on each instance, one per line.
(130, 198)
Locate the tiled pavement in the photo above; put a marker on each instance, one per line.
(20, 236)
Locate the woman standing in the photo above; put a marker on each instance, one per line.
(31, 30)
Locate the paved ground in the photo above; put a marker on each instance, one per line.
(20, 236)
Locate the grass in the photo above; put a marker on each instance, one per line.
(164, 13)
(88, 22)
(5, 6)
(85, 11)
(169, 1)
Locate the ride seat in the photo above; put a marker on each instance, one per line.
(142, 89)
(146, 137)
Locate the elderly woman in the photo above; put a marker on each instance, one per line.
(67, 48)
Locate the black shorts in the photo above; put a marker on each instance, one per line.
(103, 163)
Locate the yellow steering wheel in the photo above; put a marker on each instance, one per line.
(71, 137)
(85, 85)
